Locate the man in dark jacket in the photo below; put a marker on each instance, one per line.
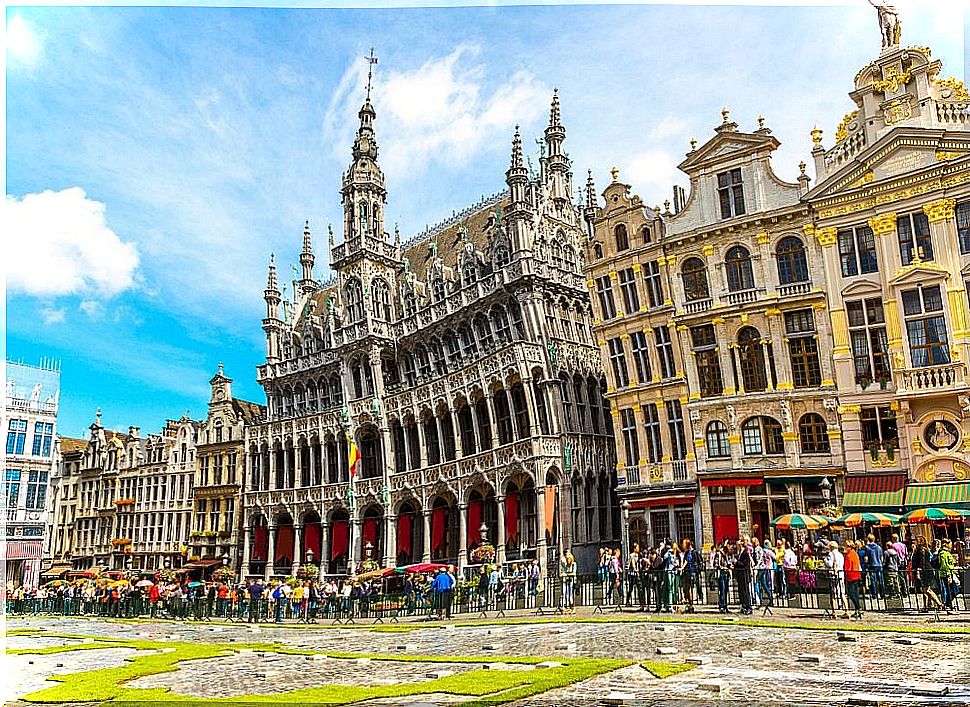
(255, 598)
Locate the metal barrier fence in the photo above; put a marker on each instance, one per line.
(759, 590)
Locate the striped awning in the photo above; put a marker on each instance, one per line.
(20, 550)
(939, 495)
(870, 493)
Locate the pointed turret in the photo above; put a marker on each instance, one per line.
(306, 261)
(517, 175)
(555, 132)
(272, 324)
(557, 163)
(221, 386)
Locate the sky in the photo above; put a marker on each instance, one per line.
(156, 156)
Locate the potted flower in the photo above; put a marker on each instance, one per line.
(224, 575)
(863, 380)
(166, 576)
(882, 377)
(483, 554)
(308, 572)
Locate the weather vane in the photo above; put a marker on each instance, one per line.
(371, 60)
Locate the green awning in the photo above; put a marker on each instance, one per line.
(865, 492)
(946, 495)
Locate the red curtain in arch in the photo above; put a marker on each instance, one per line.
(405, 526)
(284, 543)
(474, 521)
(340, 540)
(439, 518)
(311, 540)
(260, 543)
(512, 517)
(369, 533)
(550, 519)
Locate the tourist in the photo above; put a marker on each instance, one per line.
(691, 568)
(923, 572)
(743, 564)
(255, 598)
(632, 578)
(722, 569)
(947, 564)
(891, 568)
(567, 572)
(874, 564)
(853, 578)
(903, 552)
(789, 568)
(835, 564)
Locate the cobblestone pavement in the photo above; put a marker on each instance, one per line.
(742, 665)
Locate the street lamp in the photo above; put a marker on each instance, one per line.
(826, 487)
(625, 527)
(225, 559)
(309, 556)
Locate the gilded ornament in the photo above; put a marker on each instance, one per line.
(943, 155)
(763, 238)
(925, 51)
(826, 236)
(897, 110)
(809, 229)
(883, 224)
(892, 80)
(940, 210)
(850, 409)
(708, 250)
(842, 130)
(952, 89)
(816, 134)
(864, 179)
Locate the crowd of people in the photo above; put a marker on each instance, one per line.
(671, 576)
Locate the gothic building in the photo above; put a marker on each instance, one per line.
(462, 366)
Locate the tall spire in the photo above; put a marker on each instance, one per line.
(555, 134)
(555, 118)
(590, 190)
(371, 60)
(271, 282)
(306, 261)
(517, 149)
(366, 144)
(271, 323)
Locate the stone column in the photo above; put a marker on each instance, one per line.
(297, 548)
(426, 539)
(313, 463)
(490, 403)
(780, 346)
(725, 356)
(473, 409)
(270, 553)
(271, 459)
(390, 539)
(356, 544)
(541, 530)
(247, 549)
(324, 549)
(462, 536)
(500, 531)
(297, 466)
(422, 444)
(455, 432)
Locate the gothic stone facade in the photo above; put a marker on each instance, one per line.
(461, 364)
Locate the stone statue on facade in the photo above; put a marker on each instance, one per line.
(890, 28)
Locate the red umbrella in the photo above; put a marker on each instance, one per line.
(425, 567)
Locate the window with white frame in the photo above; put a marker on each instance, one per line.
(857, 251)
(867, 334)
(913, 232)
(926, 326)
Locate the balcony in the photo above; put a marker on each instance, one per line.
(743, 296)
(796, 288)
(930, 379)
(700, 305)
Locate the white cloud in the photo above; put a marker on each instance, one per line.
(58, 243)
(653, 172)
(23, 44)
(92, 308)
(52, 315)
(443, 112)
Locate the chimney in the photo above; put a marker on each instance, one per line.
(134, 431)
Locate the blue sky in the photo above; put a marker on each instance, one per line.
(155, 156)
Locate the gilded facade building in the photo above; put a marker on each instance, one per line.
(30, 414)
(134, 498)
(462, 366)
(219, 465)
(737, 423)
(892, 217)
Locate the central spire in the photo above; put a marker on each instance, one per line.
(366, 143)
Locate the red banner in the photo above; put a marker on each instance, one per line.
(311, 540)
(511, 518)
(474, 521)
(405, 525)
(369, 535)
(340, 539)
(260, 543)
(284, 543)
(439, 517)
(550, 519)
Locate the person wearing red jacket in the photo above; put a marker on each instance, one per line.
(153, 597)
(853, 578)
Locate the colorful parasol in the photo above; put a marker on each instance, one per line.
(57, 583)
(381, 572)
(935, 515)
(800, 521)
(853, 520)
(145, 583)
(425, 567)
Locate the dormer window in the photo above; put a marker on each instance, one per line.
(622, 238)
(914, 238)
(730, 193)
(438, 289)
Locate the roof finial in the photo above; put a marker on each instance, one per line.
(555, 115)
(615, 173)
(693, 144)
(726, 115)
(517, 148)
(761, 122)
(371, 60)
(220, 368)
(97, 416)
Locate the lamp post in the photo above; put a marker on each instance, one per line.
(625, 528)
(826, 487)
(309, 556)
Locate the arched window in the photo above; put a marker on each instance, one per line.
(645, 234)
(353, 301)
(424, 364)
(740, 275)
(438, 356)
(410, 302)
(452, 349)
(622, 237)
(370, 454)
(694, 275)
(792, 263)
(598, 250)
(751, 355)
(500, 323)
(483, 331)
(469, 271)
(717, 440)
(762, 435)
(813, 433)
(501, 257)
(381, 299)
(557, 253)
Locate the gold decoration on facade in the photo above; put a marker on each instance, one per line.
(842, 130)
(883, 224)
(708, 250)
(893, 78)
(940, 210)
(898, 195)
(955, 87)
(897, 109)
(826, 236)
(864, 179)
(943, 155)
(925, 51)
(657, 473)
(764, 238)
(816, 134)
(772, 312)
(850, 409)
(809, 229)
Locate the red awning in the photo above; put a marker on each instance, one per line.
(20, 550)
(200, 564)
(732, 482)
(873, 492)
(667, 501)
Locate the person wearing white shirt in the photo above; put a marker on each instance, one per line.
(835, 563)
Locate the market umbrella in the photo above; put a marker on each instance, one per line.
(57, 583)
(425, 567)
(853, 520)
(193, 584)
(800, 521)
(382, 572)
(934, 515)
(145, 583)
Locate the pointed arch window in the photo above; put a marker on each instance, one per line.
(469, 271)
(751, 357)
(740, 273)
(621, 237)
(792, 262)
(500, 322)
(410, 302)
(502, 256)
(483, 331)
(353, 301)
(438, 289)
(381, 300)
(694, 275)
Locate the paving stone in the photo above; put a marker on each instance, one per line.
(666, 650)
(318, 656)
(846, 637)
(407, 647)
(906, 640)
(867, 700)
(714, 686)
(809, 658)
(492, 647)
(434, 674)
(557, 630)
(698, 659)
(619, 698)
(549, 664)
(931, 690)
(750, 654)
(661, 628)
(565, 646)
